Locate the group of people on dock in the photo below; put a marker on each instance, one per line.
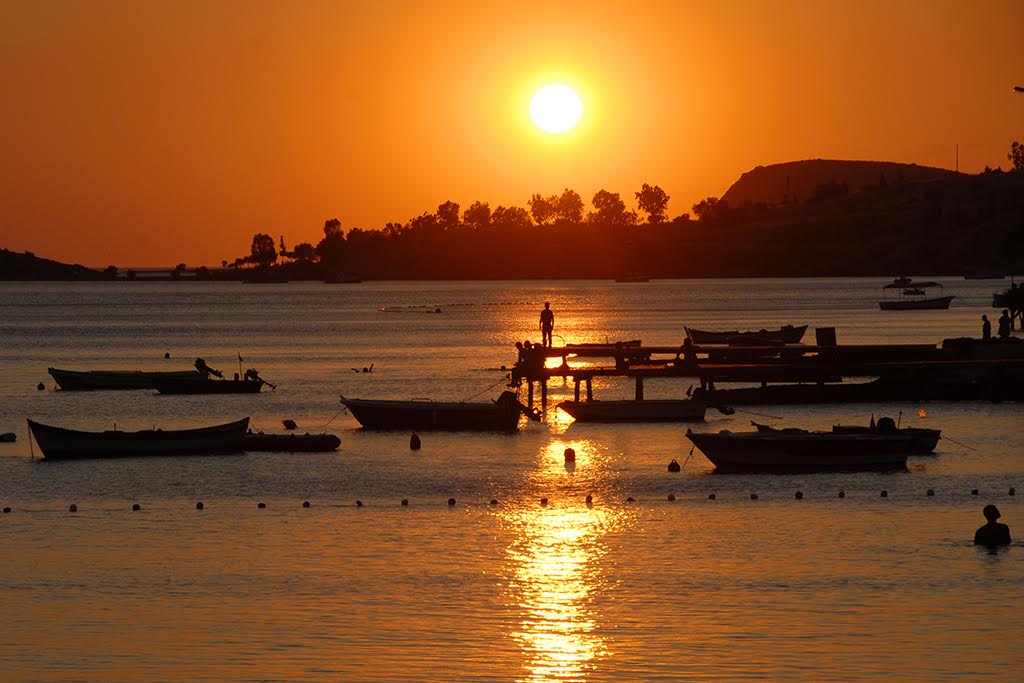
(1004, 329)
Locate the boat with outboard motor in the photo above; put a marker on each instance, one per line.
(882, 447)
(499, 415)
(59, 443)
(249, 383)
(96, 380)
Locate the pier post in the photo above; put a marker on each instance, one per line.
(529, 394)
(544, 396)
(590, 389)
(576, 388)
(639, 388)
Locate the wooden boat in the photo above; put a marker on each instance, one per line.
(769, 449)
(500, 415)
(57, 443)
(685, 410)
(92, 380)
(291, 443)
(208, 386)
(787, 334)
(913, 296)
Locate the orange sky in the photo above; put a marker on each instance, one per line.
(148, 133)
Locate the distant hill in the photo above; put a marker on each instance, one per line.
(28, 266)
(782, 183)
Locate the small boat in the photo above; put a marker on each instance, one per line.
(686, 410)
(913, 296)
(250, 383)
(499, 415)
(58, 443)
(94, 380)
(291, 443)
(971, 273)
(8, 437)
(787, 334)
(770, 449)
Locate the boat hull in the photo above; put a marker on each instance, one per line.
(58, 443)
(291, 443)
(937, 303)
(787, 334)
(97, 380)
(502, 415)
(207, 386)
(636, 411)
(809, 451)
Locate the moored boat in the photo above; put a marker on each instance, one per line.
(94, 380)
(500, 415)
(913, 296)
(203, 385)
(59, 443)
(769, 449)
(291, 443)
(787, 334)
(685, 410)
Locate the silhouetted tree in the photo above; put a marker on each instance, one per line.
(332, 228)
(478, 215)
(653, 201)
(610, 209)
(178, 270)
(224, 264)
(709, 209)
(1016, 157)
(283, 250)
(110, 272)
(203, 273)
(569, 207)
(543, 209)
(304, 251)
(448, 215)
(511, 217)
(262, 251)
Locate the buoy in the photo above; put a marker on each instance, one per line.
(570, 455)
(494, 501)
(799, 495)
(7, 510)
(630, 499)
(437, 310)
(1012, 492)
(72, 508)
(405, 502)
(842, 493)
(136, 507)
(41, 387)
(305, 503)
(167, 354)
(712, 496)
(885, 494)
(414, 442)
(753, 496)
(451, 502)
(590, 501)
(289, 424)
(543, 502)
(930, 492)
(674, 466)
(199, 505)
(974, 492)
(261, 505)
(359, 503)
(671, 497)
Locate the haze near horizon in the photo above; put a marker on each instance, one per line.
(160, 133)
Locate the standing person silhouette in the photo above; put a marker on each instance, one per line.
(1004, 325)
(547, 324)
(986, 329)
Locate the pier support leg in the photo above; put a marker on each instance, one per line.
(576, 389)
(639, 388)
(529, 394)
(544, 396)
(590, 389)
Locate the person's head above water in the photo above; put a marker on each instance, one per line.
(991, 513)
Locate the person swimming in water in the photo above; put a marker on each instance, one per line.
(992, 534)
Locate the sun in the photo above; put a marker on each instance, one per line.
(556, 108)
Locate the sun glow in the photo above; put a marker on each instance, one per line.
(556, 108)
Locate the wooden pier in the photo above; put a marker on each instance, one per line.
(962, 366)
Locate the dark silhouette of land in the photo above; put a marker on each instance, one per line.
(807, 218)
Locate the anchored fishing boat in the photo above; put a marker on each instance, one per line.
(59, 443)
(500, 415)
(250, 382)
(913, 296)
(685, 410)
(768, 449)
(95, 380)
(291, 443)
(787, 334)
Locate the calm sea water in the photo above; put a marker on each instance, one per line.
(860, 588)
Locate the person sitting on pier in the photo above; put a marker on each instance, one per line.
(986, 328)
(1004, 325)
(547, 324)
(993, 534)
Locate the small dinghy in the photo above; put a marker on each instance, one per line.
(787, 334)
(291, 443)
(58, 443)
(685, 410)
(96, 380)
(499, 415)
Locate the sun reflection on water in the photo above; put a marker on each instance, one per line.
(555, 575)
